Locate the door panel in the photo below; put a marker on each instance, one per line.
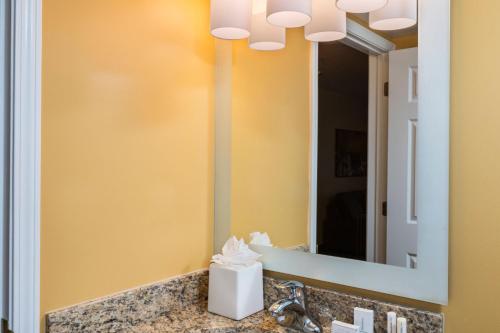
(403, 127)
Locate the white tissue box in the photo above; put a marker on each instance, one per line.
(235, 292)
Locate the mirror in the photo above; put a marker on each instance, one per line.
(329, 147)
(361, 134)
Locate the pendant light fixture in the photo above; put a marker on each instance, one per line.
(289, 13)
(263, 35)
(230, 19)
(398, 14)
(360, 6)
(264, 22)
(328, 23)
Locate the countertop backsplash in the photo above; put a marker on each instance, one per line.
(123, 311)
(179, 305)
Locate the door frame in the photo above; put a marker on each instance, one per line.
(4, 156)
(366, 41)
(25, 166)
(380, 125)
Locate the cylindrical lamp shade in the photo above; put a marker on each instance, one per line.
(360, 6)
(265, 36)
(398, 14)
(328, 22)
(230, 19)
(289, 13)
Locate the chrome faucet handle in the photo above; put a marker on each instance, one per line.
(292, 285)
(292, 311)
(296, 289)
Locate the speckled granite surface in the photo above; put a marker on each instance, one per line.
(121, 312)
(327, 305)
(179, 305)
(196, 319)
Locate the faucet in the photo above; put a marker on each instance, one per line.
(292, 312)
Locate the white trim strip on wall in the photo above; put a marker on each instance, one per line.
(4, 155)
(24, 280)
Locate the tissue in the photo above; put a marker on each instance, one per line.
(258, 238)
(236, 253)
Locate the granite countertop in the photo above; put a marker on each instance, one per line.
(196, 319)
(180, 305)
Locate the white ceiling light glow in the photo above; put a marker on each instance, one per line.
(398, 14)
(289, 13)
(328, 23)
(263, 35)
(230, 19)
(360, 6)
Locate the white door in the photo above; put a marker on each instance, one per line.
(403, 120)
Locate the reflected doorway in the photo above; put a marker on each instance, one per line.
(343, 84)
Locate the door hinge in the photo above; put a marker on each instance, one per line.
(384, 208)
(386, 89)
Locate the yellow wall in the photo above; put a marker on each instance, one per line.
(270, 145)
(127, 190)
(475, 161)
(475, 180)
(121, 115)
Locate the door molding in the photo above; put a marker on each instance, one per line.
(24, 264)
(365, 40)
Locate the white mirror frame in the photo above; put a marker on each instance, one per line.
(429, 282)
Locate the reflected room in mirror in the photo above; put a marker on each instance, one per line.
(337, 179)
(367, 121)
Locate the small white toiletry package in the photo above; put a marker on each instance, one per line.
(391, 322)
(364, 319)
(235, 283)
(401, 326)
(341, 327)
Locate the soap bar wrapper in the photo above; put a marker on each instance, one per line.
(235, 292)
